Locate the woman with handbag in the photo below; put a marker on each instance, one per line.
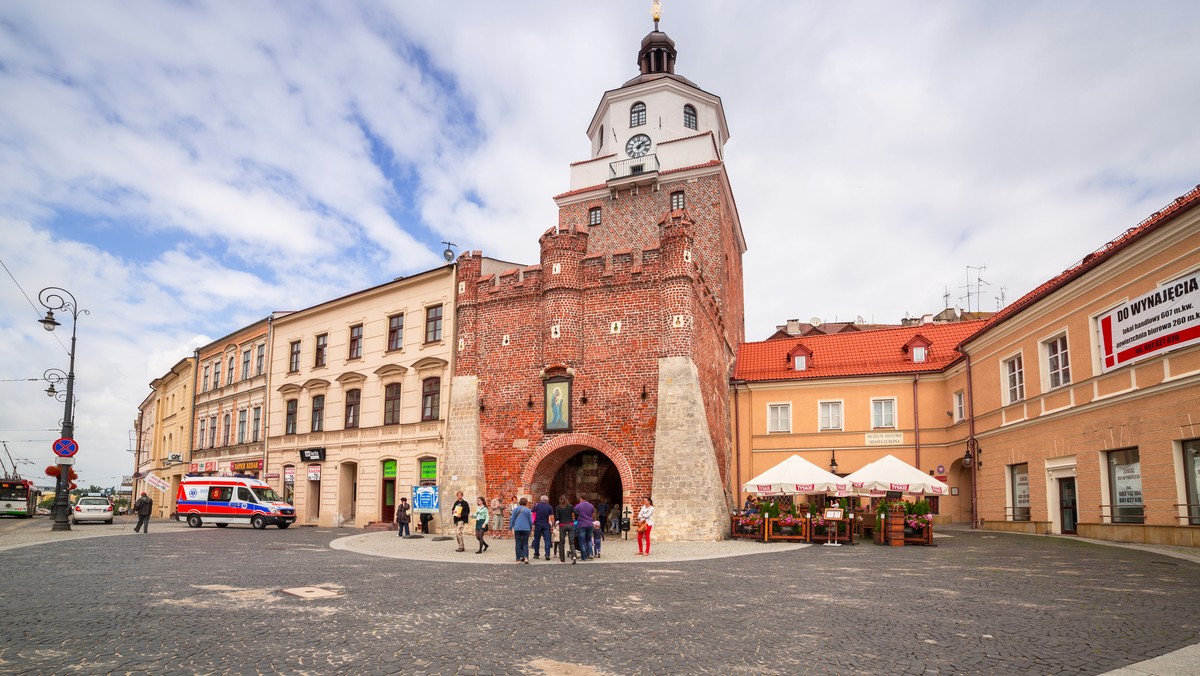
(645, 524)
(481, 523)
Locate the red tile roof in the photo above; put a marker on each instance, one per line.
(858, 353)
(1153, 222)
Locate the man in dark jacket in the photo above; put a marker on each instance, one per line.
(142, 508)
(462, 512)
(402, 517)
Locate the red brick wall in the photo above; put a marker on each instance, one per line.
(623, 270)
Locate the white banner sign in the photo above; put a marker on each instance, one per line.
(1165, 319)
(1128, 480)
(157, 482)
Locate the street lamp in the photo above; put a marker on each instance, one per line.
(54, 298)
(833, 461)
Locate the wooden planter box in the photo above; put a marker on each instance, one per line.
(798, 531)
(743, 532)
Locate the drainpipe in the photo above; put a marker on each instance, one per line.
(971, 445)
(195, 395)
(267, 400)
(737, 445)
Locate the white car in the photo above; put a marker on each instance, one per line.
(92, 509)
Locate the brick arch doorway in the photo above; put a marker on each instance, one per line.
(579, 464)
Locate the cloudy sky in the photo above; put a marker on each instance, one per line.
(184, 168)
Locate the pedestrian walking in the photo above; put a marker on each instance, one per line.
(585, 516)
(564, 516)
(462, 512)
(403, 517)
(481, 523)
(645, 524)
(597, 538)
(143, 507)
(520, 523)
(543, 520)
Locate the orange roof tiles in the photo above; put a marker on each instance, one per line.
(859, 353)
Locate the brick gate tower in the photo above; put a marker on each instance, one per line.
(604, 369)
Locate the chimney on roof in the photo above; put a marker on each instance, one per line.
(926, 319)
(793, 327)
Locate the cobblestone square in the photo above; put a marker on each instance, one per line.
(210, 601)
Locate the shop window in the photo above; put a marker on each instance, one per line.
(1191, 470)
(1019, 486)
(1125, 486)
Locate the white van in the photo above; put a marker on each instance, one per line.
(223, 500)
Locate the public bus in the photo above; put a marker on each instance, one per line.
(18, 497)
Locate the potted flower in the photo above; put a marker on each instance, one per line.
(788, 524)
(917, 517)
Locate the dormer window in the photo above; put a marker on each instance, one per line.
(799, 357)
(917, 348)
(637, 114)
(689, 116)
(918, 355)
(800, 362)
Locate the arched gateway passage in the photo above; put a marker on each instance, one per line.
(578, 464)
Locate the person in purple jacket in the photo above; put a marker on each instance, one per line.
(585, 515)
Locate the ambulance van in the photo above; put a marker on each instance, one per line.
(223, 500)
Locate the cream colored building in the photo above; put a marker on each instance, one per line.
(165, 435)
(1086, 393)
(358, 396)
(231, 404)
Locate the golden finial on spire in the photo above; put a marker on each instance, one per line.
(656, 12)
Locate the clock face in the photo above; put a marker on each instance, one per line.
(638, 145)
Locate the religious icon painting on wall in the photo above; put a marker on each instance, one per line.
(558, 404)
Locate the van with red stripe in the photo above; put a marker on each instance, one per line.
(223, 500)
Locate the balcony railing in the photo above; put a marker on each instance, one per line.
(634, 167)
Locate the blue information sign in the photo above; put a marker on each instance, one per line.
(425, 498)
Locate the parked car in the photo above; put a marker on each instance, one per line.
(92, 509)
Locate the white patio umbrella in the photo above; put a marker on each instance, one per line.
(797, 476)
(890, 473)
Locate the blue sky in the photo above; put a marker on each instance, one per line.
(184, 168)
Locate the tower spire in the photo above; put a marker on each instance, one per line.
(656, 13)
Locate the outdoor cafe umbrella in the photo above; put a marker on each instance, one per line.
(890, 473)
(796, 476)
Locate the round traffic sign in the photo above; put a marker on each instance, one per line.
(65, 448)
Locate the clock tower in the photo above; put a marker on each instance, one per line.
(603, 371)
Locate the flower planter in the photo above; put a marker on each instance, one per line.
(794, 531)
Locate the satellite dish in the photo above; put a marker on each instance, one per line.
(859, 320)
(448, 254)
(815, 321)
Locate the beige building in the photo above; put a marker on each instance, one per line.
(358, 397)
(164, 434)
(231, 399)
(1086, 393)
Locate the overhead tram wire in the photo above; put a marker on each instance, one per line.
(30, 301)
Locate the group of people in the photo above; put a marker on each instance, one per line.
(569, 530)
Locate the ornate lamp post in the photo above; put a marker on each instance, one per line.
(54, 298)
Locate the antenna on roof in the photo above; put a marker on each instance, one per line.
(1000, 299)
(815, 321)
(859, 319)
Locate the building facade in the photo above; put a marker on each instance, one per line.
(1086, 393)
(603, 369)
(844, 400)
(231, 400)
(357, 400)
(164, 434)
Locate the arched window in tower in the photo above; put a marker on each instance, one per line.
(637, 114)
(689, 116)
(594, 216)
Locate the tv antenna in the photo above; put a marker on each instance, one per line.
(974, 289)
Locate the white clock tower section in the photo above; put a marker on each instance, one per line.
(658, 121)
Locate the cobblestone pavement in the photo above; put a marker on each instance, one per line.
(209, 601)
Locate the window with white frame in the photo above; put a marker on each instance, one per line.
(318, 413)
(203, 429)
(960, 406)
(1018, 476)
(779, 417)
(229, 375)
(216, 373)
(1058, 365)
(241, 437)
(883, 413)
(260, 359)
(801, 362)
(918, 354)
(1014, 378)
(830, 415)
(225, 432)
(204, 382)
(256, 428)
(246, 364)
(212, 431)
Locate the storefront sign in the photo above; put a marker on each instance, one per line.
(244, 465)
(884, 438)
(429, 470)
(1021, 489)
(425, 498)
(271, 475)
(312, 454)
(314, 472)
(1163, 320)
(1128, 484)
(389, 469)
(289, 475)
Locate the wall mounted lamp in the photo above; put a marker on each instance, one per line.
(833, 461)
(529, 404)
